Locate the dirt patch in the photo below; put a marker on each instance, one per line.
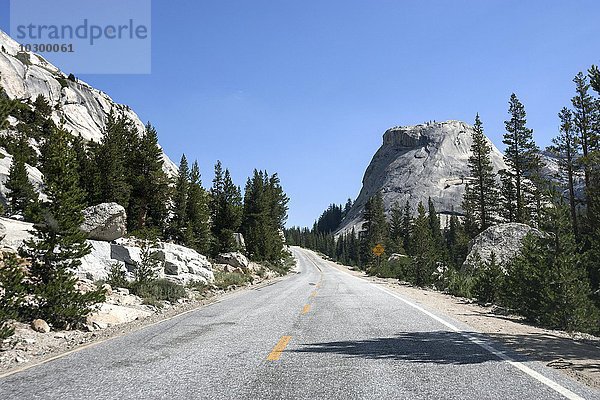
(577, 355)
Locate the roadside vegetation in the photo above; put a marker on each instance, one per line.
(125, 167)
(554, 281)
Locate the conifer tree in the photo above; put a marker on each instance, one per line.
(59, 244)
(6, 108)
(396, 242)
(117, 138)
(23, 199)
(422, 249)
(406, 226)
(547, 282)
(583, 104)
(265, 212)
(14, 290)
(179, 222)
(197, 212)
(566, 145)
(226, 210)
(481, 195)
(375, 228)
(149, 184)
(521, 155)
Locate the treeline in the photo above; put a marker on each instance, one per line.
(125, 167)
(555, 280)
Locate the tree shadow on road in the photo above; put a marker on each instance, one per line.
(453, 348)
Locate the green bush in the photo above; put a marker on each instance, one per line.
(399, 269)
(117, 277)
(459, 283)
(225, 279)
(158, 290)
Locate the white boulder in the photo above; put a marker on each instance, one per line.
(106, 221)
(112, 314)
(235, 259)
(504, 240)
(183, 264)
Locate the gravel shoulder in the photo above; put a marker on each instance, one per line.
(576, 355)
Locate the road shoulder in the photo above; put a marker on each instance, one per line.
(573, 354)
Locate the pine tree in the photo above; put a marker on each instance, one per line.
(547, 282)
(265, 212)
(375, 229)
(422, 249)
(406, 226)
(197, 212)
(583, 104)
(566, 145)
(23, 199)
(489, 280)
(396, 239)
(226, 210)
(457, 241)
(59, 244)
(481, 195)
(6, 108)
(117, 139)
(14, 290)
(521, 155)
(147, 208)
(87, 168)
(179, 222)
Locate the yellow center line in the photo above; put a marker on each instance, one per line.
(306, 309)
(279, 348)
(313, 294)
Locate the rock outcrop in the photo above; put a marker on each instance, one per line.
(234, 259)
(418, 162)
(177, 263)
(80, 108)
(106, 221)
(504, 240)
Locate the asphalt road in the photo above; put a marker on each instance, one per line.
(318, 334)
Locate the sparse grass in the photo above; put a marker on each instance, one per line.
(158, 290)
(223, 280)
(198, 286)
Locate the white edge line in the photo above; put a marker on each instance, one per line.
(482, 343)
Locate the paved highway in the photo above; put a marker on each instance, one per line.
(318, 334)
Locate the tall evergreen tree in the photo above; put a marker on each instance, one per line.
(566, 145)
(197, 212)
(521, 155)
(22, 197)
(87, 168)
(59, 244)
(375, 228)
(547, 283)
(117, 138)
(226, 210)
(481, 194)
(179, 222)
(396, 236)
(422, 249)
(147, 206)
(583, 104)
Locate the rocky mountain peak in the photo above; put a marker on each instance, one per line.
(418, 162)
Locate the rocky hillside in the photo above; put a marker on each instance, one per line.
(418, 162)
(82, 108)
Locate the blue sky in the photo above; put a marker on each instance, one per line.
(307, 88)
